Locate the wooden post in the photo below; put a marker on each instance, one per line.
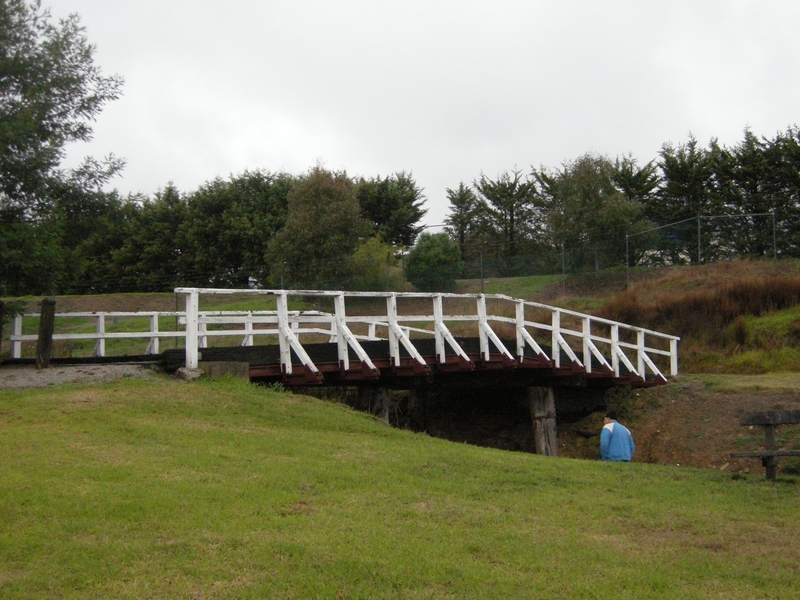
(543, 412)
(2, 316)
(376, 399)
(769, 462)
(383, 398)
(417, 408)
(44, 345)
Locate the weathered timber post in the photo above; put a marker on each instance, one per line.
(376, 399)
(769, 462)
(44, 345)
(543, 411)
(418, 408)
(383, 400)
(2, 316)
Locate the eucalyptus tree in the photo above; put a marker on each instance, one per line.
(324, 227)
(50, 92)
(586, 212)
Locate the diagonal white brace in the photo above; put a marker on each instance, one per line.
(487, 333)
(443, 334)
(621, 355)
(598, 355)
(396, 334)
(346, 338)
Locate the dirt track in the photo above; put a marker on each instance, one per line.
(16, 378)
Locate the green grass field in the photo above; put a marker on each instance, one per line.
(221, 489)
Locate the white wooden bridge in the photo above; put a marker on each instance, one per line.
(374, 335)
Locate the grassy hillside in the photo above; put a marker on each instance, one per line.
(225, 490)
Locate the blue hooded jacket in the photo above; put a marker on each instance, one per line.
(616, 443)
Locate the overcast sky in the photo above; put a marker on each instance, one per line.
(444, 89)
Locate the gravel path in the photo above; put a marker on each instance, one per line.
(17, 378)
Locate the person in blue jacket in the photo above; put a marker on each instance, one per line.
(616, 442)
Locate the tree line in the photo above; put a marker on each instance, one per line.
(61, 232)
(254, 229)
(691, 204)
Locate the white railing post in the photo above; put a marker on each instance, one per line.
(391, 318)
(248, 330)
(438, 324)
(673, 357)
(152, 346)
(587, 351)
(556, 322)
(16, 346)
(615, 349)
(283, 327)
(192, 316)
(100, 329)
(201, 329)
(520, 328)
(341, 324)
(482, 323)
(640, 353)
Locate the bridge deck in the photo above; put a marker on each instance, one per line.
(498, 371)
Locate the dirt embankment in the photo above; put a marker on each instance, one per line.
(694, 422)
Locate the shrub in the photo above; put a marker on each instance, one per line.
(434, 263)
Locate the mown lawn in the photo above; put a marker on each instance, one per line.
(226, 490)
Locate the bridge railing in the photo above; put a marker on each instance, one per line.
(150, 332)
(584, 339)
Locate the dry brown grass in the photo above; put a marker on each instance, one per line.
(699, 303)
